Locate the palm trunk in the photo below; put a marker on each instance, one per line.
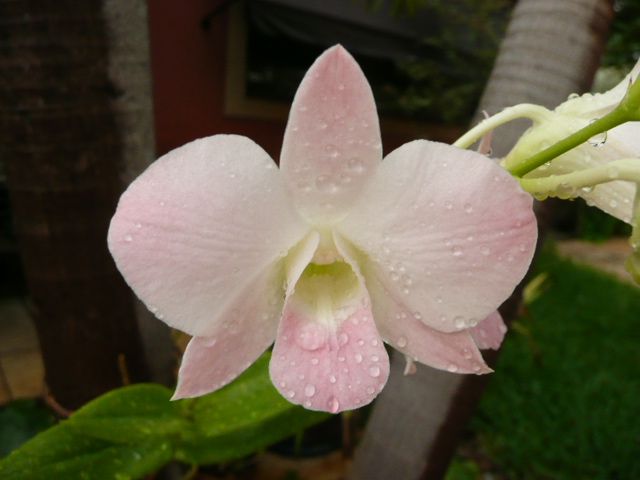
(550, 50)
(64, 145)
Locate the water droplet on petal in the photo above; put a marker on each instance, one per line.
(332, 379)
(599, 139)
(310, 390)
(374, 371)
(291, 394)
(402, 342)
(333, 405)
(128, 238)
(343, 338)
(459, 322)
(358, 358)
(452, 368)
(315, 361)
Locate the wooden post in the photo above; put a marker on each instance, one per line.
(550, 50)
(63, 140)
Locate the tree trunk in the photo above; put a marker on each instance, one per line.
(62, 116)
(550, 50)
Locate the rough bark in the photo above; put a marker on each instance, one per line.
(550, 50)
(62, 140)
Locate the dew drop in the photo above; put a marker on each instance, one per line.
(468, 208)
(355, 165)
(375, 358)
(374, 342)
(291, 394)
(599, 139)
(310, 390)
(358, 358)
(459, 322)
(417, 315)
(332, 379)
(457, 251)
(613, 203)
(361, 342)
(343, 338)
(370, 390)
(128, 238)
(452, 368)
(315, 361)
(374, 371)
(325, 184)
(402, 342)
(333, 405)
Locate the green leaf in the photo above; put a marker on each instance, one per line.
(62, 453)
(246, 416)
(133, 431)
(130, 415)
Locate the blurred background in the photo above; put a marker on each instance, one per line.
(91, 92)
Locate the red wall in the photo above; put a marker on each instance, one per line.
(189, 79)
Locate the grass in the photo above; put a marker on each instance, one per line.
(564, 402)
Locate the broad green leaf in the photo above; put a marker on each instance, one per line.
(133, 431)
(60, 453)
(130, 415)
(246, 416)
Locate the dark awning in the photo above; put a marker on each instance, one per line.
(375, 33)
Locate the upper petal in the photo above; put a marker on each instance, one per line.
(446, 230)
(199, 225)
(332, 141)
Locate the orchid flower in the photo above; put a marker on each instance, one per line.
(330, 255)
(597, 170)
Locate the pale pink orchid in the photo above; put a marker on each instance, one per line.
(330, 255)
(615, 197)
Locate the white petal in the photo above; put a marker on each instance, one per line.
(446, 230)
(199, 226)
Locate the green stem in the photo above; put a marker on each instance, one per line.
(524, 110)
(626, 169)
(627, 111)
(604, 124)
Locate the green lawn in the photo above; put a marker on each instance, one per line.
(564, 402)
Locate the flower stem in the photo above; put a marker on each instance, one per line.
(524, 110)
(627, 111)
(606, 123)
(626, 169)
